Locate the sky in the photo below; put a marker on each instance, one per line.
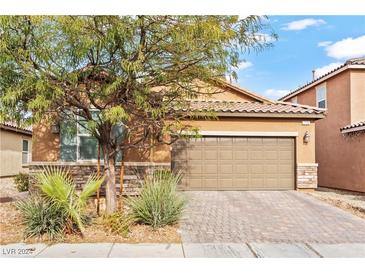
(305, 43)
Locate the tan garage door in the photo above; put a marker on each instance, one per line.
(235, 163)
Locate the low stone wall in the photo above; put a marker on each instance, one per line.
(134, 172)
(307, 176)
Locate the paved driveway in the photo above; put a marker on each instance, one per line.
(266, 216)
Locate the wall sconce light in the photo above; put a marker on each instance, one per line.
(55, 129)
(306, 137)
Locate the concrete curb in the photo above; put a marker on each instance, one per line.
(184, 250)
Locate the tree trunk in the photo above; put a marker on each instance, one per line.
(98, 191)
(111, 193)
(121, 184)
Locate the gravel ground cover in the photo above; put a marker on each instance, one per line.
(353, 202)
(11, 230)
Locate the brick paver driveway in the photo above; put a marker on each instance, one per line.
(266, 216)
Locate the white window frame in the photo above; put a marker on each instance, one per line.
(318, 88)
(78, 135)
(27, 152)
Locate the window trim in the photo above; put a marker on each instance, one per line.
(27, 151)
(318, 88)
(78, 118)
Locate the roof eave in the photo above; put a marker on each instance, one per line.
(354, 129)
(243, 91)
(320, 80)
(315, 116)
(18, 130)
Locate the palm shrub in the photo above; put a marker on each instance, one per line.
(58, 186)
(159, 203)
(42, 217)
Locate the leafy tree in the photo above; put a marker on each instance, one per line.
(135, 70)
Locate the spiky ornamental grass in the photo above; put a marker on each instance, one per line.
(42, 217)
(159, 204)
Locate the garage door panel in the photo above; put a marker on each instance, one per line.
(210, 169)
(240, 163)
(225, 169)
(256, 155)
(226, 155)
(195, 155)
(270, 169)
(240, 169)
(270, 155)
(254, 142)
(240, 155)
(210, 154)
(284, 155)
(226, 182)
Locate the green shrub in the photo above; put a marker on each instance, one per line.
(58, 186)
(42, 217)
(159, 203)
(21, 182)
(119, 223)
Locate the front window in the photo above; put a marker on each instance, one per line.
(25, 152)
(87, 145)
(321, 94)
(77, 142)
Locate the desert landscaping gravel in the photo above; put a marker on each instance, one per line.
(353, 202)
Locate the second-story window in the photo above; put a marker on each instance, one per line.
(321, 95)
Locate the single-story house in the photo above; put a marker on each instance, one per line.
(15, 149)
(255, 144)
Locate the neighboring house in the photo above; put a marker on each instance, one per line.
(340, 137)
(15, 149)
(256, 144)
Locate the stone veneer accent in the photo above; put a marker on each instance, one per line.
(134, 172)
(307, 176)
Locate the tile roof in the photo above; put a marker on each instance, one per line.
(16, 127)
(353, 61)
(253, 107)
(354, 126)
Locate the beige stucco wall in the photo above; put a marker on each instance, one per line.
(357, 95)
(341, 158)
(305, 152)
(11, 145)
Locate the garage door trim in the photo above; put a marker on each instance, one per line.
(246, 133)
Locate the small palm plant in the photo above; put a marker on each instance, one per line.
(58, 186)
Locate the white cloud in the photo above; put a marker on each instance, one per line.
(275, 93)
(264, 38)
(347, 48)
(244, 65)
(324, 43)
(241, 66)
(303, 24)
(318, 72)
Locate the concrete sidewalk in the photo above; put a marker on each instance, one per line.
(184, 250)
